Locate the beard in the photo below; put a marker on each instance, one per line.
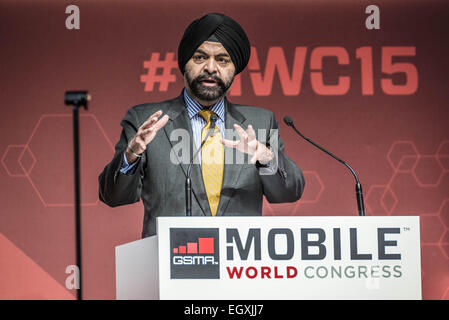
(208, 93)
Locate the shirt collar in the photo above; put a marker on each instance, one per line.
(193, 107)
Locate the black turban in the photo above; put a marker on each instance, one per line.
(215, 26)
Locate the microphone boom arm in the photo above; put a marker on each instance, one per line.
(358, 187)
(213, 120)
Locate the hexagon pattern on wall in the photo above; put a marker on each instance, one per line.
(43, 159)
(428, 172)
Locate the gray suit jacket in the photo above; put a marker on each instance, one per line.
(160, 182)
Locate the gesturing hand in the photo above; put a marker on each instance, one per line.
(249, 144)
(145, 134)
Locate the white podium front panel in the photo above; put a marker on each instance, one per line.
(289, 258)
(136, 267)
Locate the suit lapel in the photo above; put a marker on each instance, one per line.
(231, 170)
(179, 119)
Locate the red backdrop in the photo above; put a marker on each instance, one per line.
(376, 98)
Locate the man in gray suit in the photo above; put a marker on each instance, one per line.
(147, 163)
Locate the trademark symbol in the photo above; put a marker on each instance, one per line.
(406, 228)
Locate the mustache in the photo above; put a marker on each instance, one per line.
(204, 76)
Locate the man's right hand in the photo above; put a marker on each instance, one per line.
(145, 135)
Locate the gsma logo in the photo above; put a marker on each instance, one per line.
(194, 253)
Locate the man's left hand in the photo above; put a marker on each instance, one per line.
(248, 144)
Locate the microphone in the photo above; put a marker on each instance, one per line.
(77, 98)
(358, 187)
(213, 119)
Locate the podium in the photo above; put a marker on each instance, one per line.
(273, 258)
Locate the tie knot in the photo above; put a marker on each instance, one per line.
(205, 114)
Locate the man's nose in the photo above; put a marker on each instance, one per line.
(211, 66)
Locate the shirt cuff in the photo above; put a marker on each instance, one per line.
(268, 169)
(126, 167)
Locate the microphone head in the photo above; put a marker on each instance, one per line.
(288, 121)
(213, 118)
(77, 98)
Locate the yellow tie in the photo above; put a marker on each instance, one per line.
(212, 162)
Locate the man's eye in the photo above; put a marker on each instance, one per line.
(199, 58)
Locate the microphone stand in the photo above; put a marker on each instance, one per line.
(358, 187)
(213, 120)
(77, 99)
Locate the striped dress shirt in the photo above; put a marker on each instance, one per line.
(197, 122)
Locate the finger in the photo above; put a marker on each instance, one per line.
(251, 133)
(148, 134)
(254, 158)
(242, 133)
(229, 143)
(160, 123)
(151, 119)
(148, 124)
(156, 125)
